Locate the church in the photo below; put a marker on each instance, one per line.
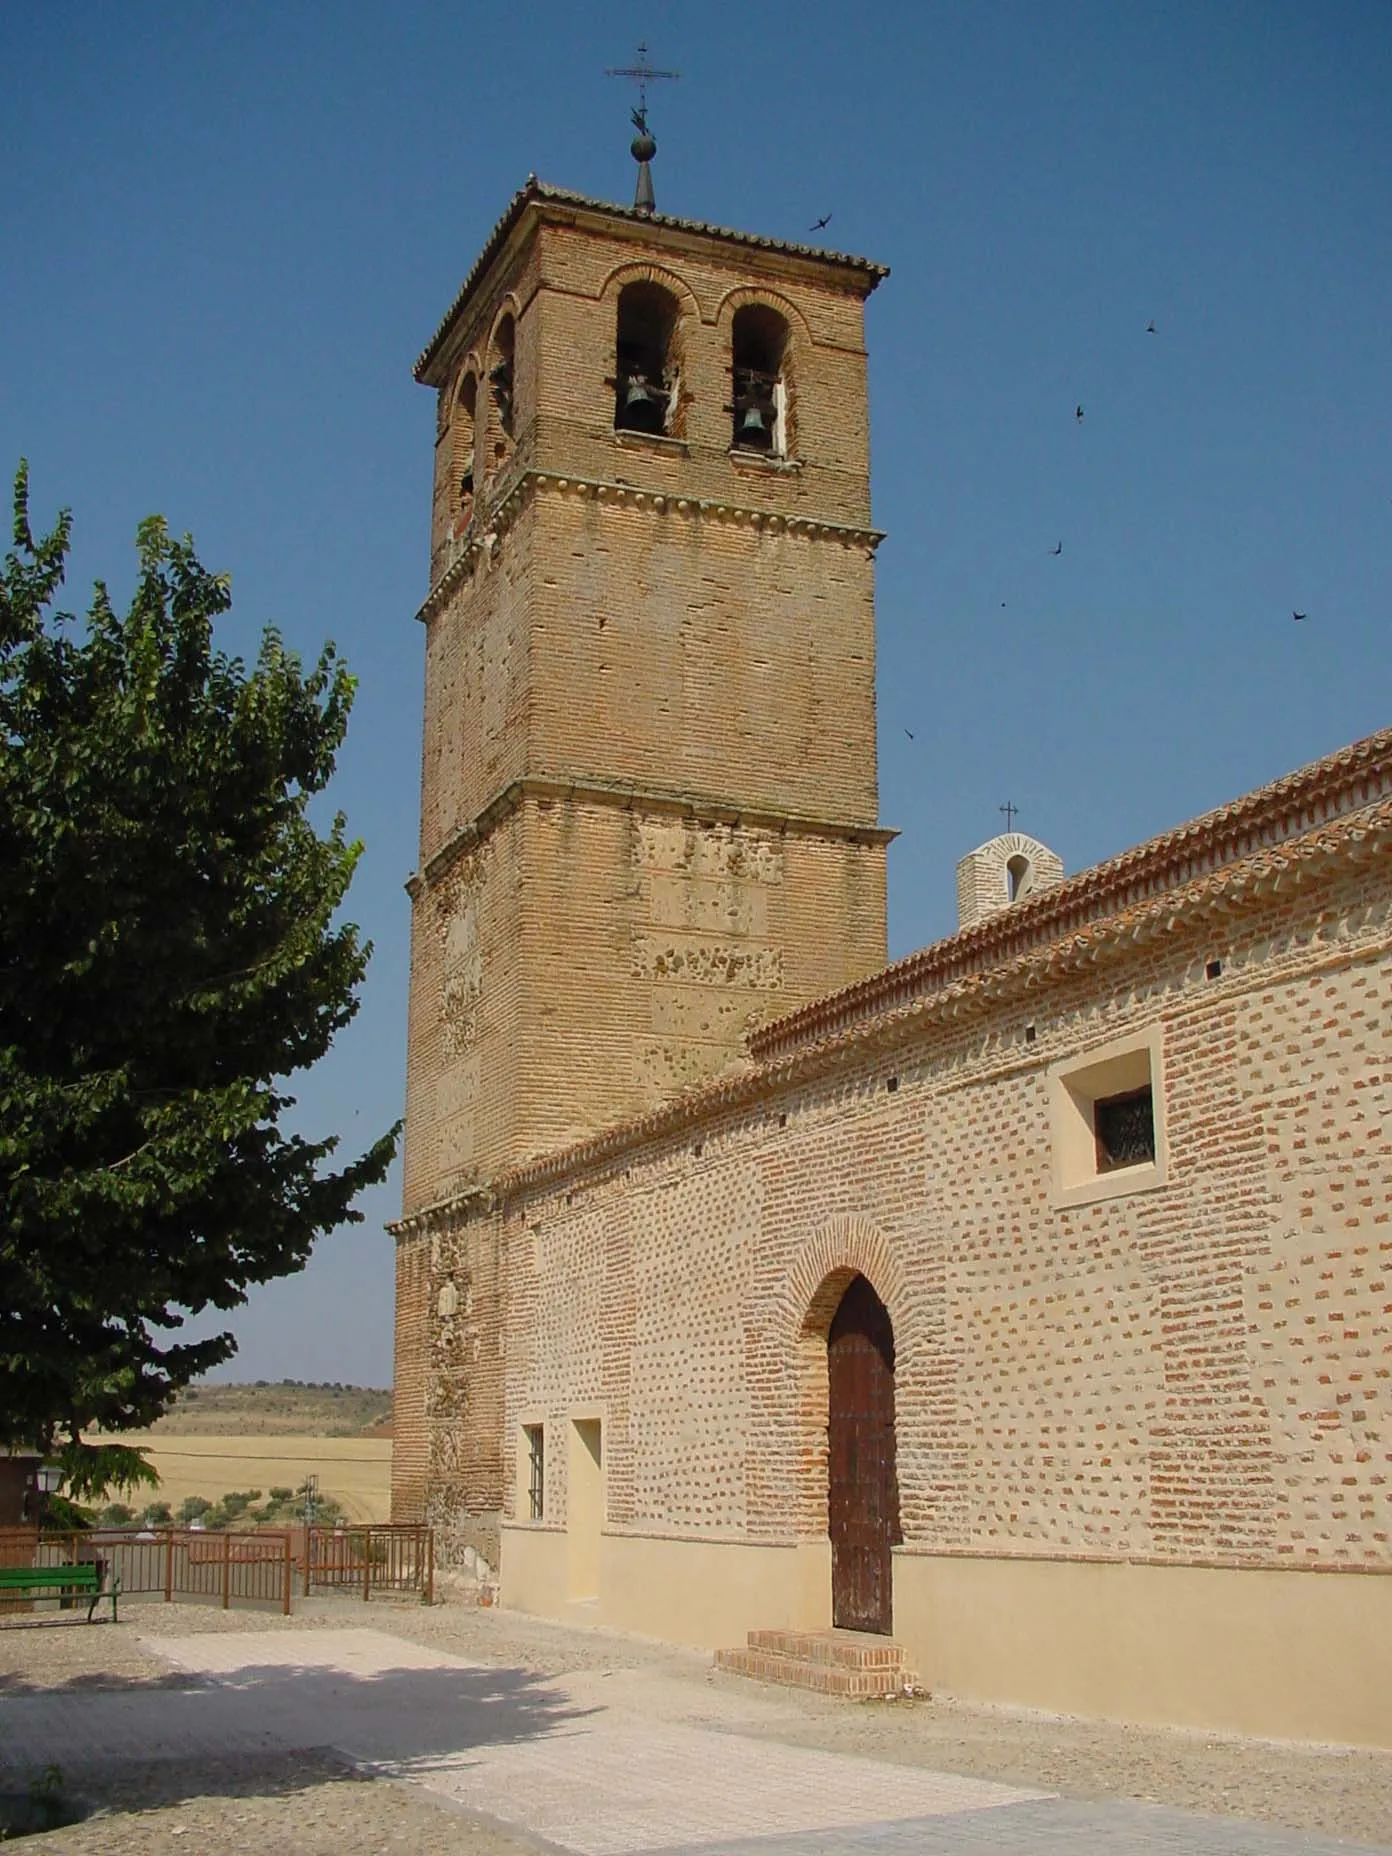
(1023, 1308)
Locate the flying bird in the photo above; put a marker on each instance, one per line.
(1078, 414)
(910, 733)
(1150, 328)
(820, 223)
(1297, 616)
(1057, 550)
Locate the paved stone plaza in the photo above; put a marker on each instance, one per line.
(602, 1761)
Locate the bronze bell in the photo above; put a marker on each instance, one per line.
(755, 433)
(644, 408)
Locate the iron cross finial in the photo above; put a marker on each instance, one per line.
(643, 146)
(1012, 812)
(642, 74)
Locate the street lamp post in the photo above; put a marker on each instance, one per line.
(47, 1479)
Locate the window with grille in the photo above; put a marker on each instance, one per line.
(1124, 1127)
(1107, 1119)
(535, 1435)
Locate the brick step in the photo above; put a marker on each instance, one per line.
(850, 1649)
(828, 1662)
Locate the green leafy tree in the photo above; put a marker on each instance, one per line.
(60, 1515)
(169, 954)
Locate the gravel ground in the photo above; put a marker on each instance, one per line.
(1335, 1791)
(66, 1652)
(311, 1803)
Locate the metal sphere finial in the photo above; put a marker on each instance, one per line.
(644, 145)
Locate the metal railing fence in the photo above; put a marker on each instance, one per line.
(265, 1567)
(168, 1562)
(396, 1557)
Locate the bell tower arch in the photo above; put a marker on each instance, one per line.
(649, 809)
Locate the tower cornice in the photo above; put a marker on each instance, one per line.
(481, 541)
(709, 808)
(543, 202)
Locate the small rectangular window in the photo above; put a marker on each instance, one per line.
(1107, 1119)
(1125, 1129)
(535, 1435)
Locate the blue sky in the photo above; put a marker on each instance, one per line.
(228, 232)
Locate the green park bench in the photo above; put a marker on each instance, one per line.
(83, 1580)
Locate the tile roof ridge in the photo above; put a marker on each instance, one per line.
(1163, 862)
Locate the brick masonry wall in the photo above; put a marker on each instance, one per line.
(479, 691)
(630, 964)
(707, 657)
(1199, 1372)
(590, 959)
(461, 1080)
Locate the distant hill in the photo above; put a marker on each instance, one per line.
(271, 1407)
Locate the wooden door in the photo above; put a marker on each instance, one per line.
(864, 1487)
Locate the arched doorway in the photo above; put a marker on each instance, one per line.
(863, 1484)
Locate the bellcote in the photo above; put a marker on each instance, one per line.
(1003, 870)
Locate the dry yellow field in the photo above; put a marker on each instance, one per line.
(355, 1470)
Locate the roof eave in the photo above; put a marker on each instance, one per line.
(1363, 766)
(538, 193)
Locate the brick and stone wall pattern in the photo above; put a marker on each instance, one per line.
(1200, 1372)
(462, 1074)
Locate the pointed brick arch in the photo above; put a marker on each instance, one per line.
(499, 438)
(737, 298)
(808, 1297)
(508, 305)
(640, 273)
(825, 1262)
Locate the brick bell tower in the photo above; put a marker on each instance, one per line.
(649, 790)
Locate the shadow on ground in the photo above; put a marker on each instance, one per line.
(407, 1718)
(95, 1682)
(262, 1737)
(131, 1800)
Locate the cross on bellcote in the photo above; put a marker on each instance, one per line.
(644, 144)
(1012, 812)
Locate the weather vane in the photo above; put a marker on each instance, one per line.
(1011, 812)
(644, 145)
